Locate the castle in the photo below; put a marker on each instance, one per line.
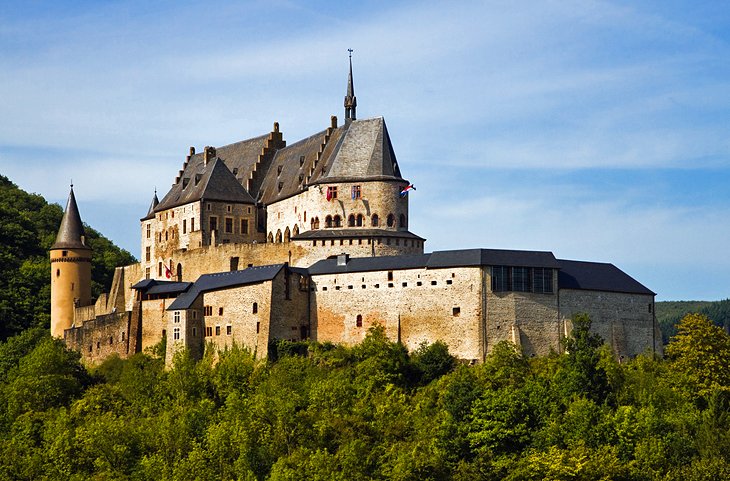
(260, 240)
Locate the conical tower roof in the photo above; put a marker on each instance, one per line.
(151, 210)
(71, 234)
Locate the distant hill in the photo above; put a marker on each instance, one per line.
(669, 313)
(28, 228)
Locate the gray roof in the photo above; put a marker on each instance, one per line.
(363, 153)
(355, 232)
(71, 233)
(151, 210)
(224, 280)
(439, 259)
(210, 182)
(596, 276)
(154, 286)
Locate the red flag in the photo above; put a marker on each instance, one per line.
(168, 272)
(329, 194)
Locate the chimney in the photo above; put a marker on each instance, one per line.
(208, 154)
(342, 259)
(333, 121)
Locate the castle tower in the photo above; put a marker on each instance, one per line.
(350, 99)
(70, 269)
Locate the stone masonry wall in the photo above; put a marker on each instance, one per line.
(625, 321)
(377, 197)
(154, 321)
(417, 305)
(100, 338)
(289, 307)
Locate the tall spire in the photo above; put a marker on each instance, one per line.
(71, 234)
(350, 99)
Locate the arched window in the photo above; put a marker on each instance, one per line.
(270, 238)
(358, 320)
(278, 236)
(337, 221)
(179, 272)
(287, 235)
(403, 224)
(374, 220)
(351, 221)
(359, 220)
(255, 308)
(295, 231)
(328, 222)
(391, 220)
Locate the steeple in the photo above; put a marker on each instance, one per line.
(155, 201)
(350, 99)
(71, 234)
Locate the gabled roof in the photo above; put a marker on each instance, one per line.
(596, 276)
(439, 259)
(363, 153)
(154, 286)
(151, 210)
(71, 233)
(210, 182)
(224, 280)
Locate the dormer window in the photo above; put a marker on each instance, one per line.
(301, 160)
(278, 170)
(235, 171)
(197, 178)
(281, 185)
(186, 181)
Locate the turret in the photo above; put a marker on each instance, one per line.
(70, 269)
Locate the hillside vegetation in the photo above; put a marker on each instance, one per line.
(669, 313)
(28, 228)
(370, 412)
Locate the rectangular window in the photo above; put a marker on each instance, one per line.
(331, 192)
(220, 311)
(149, 228)
(542, 280)
(192, 224)
(185, 226)
(176, 317)
(229, 225)
(456, 311)
(521, 279)
(355, 192)
(217, 330)
(244, 226)
(258, 327)
(213, 223)
(229, 330)
(209, 331)
(147, 273)
(234, 264)
(147, 255)
(176, 333)
(500, 279)
(208, 310)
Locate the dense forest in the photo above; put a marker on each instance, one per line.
(668, 314)
(372, 411)
(28, 227)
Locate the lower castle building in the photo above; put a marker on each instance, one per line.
(259, 240)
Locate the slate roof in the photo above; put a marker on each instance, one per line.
(72, 229)
(153, 286)
(596, 276)
(210, 182)
(151, 210)
(223, 280)
(439, 259)
(354, 232)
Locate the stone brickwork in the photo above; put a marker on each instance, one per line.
(625, 321)
(101, 337)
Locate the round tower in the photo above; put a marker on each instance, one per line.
(70, 269)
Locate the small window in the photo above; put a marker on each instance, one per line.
(374, 220)
(255, 308)
(278, 170)
(244, 226)
(390, 275)
(258, 327)
(111, 340)
(331, 192)
(355, 192)
(217, 330)
(195, 332)
(433, 283)
(280, 186)
(176, 333)
(449, 281)
(176, 317)
(301, 160)
(58, 272)
(358, 320)
(456, 311)
(185, 226)
(228, 208)
(220, 311)
(405, 284)
(229, 225)
(391, 220)
(419, 283)
(208, 331)
(650, 308)
(229, 330)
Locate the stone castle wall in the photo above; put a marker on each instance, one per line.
(101, 337)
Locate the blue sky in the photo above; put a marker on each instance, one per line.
(598, 130)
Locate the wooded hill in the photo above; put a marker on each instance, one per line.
(669, 313)
(28, 228)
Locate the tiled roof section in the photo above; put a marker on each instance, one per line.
(211, 182)
(440, 259)
(71, 233)
(492, 257)
(354, 233)
(223, 280)
(298, 164)
(596, 276)
(153, 286)
(363, 153)
(367, 264)
(151, 210)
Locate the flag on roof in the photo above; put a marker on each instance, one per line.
(168, 272)
(404, 192)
